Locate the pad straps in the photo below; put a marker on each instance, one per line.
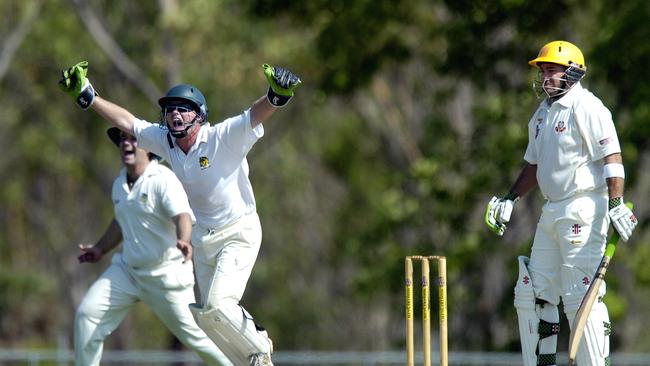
(546, 329)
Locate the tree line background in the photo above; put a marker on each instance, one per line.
(411, 115)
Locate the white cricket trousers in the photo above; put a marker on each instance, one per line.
(568, 246)
(167, 290)
(224, 259)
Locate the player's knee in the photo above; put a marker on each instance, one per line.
(83, 313)
(209, 315)
(526, 295)
(572, 301)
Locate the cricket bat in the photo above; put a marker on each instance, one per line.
(592, 294)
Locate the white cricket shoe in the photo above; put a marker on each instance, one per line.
(263, 359)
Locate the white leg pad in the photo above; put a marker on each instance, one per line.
(538, 322)
(594, 346)
(232, 329)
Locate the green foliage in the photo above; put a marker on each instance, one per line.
(22, 295)
(372, 28)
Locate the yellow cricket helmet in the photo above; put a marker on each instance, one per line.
(560, 52)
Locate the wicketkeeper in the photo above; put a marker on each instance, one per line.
(574, 156)
(210, 161)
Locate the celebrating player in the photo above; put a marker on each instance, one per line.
(154, 221)
(210, 161)
(574, 156)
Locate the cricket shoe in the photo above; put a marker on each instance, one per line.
(263, 359)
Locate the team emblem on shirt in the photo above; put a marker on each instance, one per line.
(204, 163)
(560, 127)
(144, 198)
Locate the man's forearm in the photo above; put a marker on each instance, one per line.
(615, 184)
(183, 224)
(526, 181)
(112, 237)
(114, 114)
(261, 110)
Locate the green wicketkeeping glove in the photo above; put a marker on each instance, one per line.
(76, 84)
(282, 82)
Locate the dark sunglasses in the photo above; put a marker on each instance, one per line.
(181, 108)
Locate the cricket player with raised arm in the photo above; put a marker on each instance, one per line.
(153, 221)
(210, 161)
(574, 156)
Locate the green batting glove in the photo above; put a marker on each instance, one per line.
(282, 82)
(491, 220)
(76, 84)
(498, 212)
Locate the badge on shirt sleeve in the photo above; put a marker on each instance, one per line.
(144, 198)
(605, 141)
(204, 163)
(560, 127)
(538, 127)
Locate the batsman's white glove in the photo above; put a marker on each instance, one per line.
(498, 213)
(622, 217)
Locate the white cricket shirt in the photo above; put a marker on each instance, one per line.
(214, 172)
(145, 215)
(568, 140)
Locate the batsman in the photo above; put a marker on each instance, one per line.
(210, 162)
(574, 156)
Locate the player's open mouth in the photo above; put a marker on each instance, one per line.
(178, 122)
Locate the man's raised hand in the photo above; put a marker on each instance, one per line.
(76, 84)
(282, 82)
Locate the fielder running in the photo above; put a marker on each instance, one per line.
(154, 221)
(574, 156)
(210, 161)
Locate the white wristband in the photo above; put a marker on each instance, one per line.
(614, 170)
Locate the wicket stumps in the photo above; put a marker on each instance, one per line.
(426, 309)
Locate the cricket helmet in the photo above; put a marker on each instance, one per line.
(189, 94)
(561, 53)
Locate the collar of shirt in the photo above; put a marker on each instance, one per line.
(202, 136)
(573, 94)
(150, 170)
